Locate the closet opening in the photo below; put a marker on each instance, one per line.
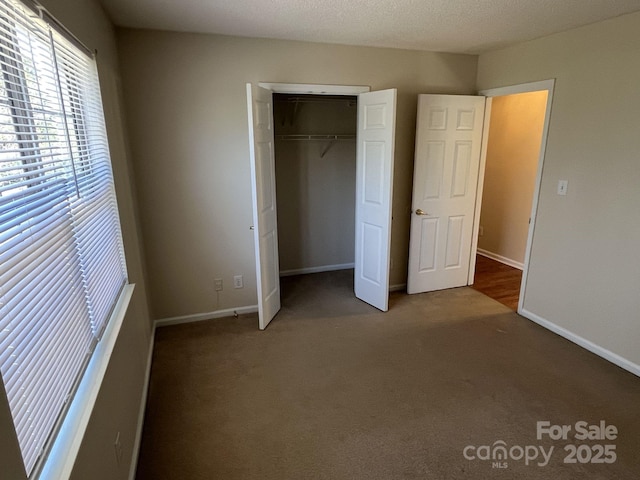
(371, 132)
(315, 167)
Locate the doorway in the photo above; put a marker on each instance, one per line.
(517, 120)
(513, 152)
(449, 168)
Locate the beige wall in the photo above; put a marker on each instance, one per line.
(584, 273)
(186, 108)
(513, 152)
(119, 399)
(316, 193)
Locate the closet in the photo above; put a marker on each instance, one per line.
(321, 206)
(315, 164)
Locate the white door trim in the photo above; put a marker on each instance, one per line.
(547, 85)
(520, 88)
(315, 89)
(479, 189)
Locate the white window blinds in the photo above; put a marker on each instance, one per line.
(62, 264)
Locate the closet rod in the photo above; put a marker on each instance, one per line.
(315, 137)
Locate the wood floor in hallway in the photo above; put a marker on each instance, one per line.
(498, 281)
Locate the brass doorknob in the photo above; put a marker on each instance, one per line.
(421, 212)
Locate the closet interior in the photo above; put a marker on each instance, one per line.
(315, 158)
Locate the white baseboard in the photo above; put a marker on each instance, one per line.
(501, 259)
(398, 288)
(197, 317)
(323, 268)
(143, 408)
(583, 342)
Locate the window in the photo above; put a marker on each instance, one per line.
(62, 266)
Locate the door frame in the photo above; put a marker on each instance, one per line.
(314, 88)
(547, 85)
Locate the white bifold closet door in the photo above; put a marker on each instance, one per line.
(374, 194)
(265, 225)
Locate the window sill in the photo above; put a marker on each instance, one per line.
(63, 454)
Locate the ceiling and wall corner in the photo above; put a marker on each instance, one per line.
(454, 26)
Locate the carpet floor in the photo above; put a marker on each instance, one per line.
(334, 389)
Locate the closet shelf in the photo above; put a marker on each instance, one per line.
(346, 100)
(292, 103)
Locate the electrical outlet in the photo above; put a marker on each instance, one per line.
(218, 284)
(481, 230)
(238, 282)
(118, 448)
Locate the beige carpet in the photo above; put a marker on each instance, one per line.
(334, 389)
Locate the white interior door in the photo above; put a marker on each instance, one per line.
(445, 180)
(261, 146)
(374, 191)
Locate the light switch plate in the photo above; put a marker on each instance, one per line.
(562, 187)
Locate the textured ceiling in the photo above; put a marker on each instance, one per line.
(464, 26)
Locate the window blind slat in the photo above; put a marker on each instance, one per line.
(23, 299)
(42, 413)
(54, 272)
(51, 237)
(49, 348)
(20, 376)
(33, 214)
(61, 251)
